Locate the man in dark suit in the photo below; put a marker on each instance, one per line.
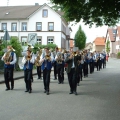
(72, 70)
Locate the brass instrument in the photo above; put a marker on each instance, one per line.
(59, 59)
(28, 57)
(8, 57)
(37, 63)
(47, 57)
(74, 54)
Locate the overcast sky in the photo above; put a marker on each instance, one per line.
(91, 33)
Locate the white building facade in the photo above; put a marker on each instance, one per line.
(48, 24)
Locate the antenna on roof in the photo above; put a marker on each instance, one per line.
(7, 2)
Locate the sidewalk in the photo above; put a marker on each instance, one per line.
(17, 75)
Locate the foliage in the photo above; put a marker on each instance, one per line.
(102, 12)
(108, 46)
(39, 46)
(2, 46)
(118, 54)
(80, 38)
(16, 45)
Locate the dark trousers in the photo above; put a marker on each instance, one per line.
(55, 70)
(46, 79)
(8, 75)
(91, 67)
(85, 69)
(63, 73)
(79, 75)
(60, 73)
(39, 71)
(72, 80)
(28, 79)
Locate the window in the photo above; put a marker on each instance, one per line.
(24, 40)
(14, 27)
(50, 40)
(114, 31)
(39, 39)
(24, 26)
(1, 37)
(50, 26)
(4, 26)
(38, 26)
(45, 13)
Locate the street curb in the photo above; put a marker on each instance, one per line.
(16, 78)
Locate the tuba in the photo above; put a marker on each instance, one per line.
(8, 57)
(59, 58)
(37, 63)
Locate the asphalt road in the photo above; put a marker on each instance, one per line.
(98, 98)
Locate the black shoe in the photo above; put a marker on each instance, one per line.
(62, 82)
(78, 84)
(59, 82)
(55, 78)
(12, 88)
(38, 77)
(71, 92)
(7, 89)
(47, 93)
(26, 91)
(30, 91)
(75, 93)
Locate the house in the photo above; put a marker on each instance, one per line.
(71, 43)
(99, 44)
(89, 46)
(113, 37)
(41, 20)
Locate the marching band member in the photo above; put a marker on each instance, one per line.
(72, 71)
(9, 59)
(85, 64)
(55, 64)
(28, 62)
(59, 66)
(79, 74)
(46, 61)
(37, 63)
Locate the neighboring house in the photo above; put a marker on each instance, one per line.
(71, 43)
(113, 36)
(48, 24)
(99, 44)
(89, 46)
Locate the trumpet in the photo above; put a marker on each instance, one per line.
(28, 57)
(74, 54)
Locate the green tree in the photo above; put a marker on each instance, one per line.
(108, 46)
(80, 38)
(99, 12)
(14, 42)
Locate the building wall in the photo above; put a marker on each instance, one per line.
(59, 36)
(99, 48)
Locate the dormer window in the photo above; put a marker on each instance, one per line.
(45, 13)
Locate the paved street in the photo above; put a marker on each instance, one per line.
(98, 98)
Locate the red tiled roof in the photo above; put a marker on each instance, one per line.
(99, 41)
